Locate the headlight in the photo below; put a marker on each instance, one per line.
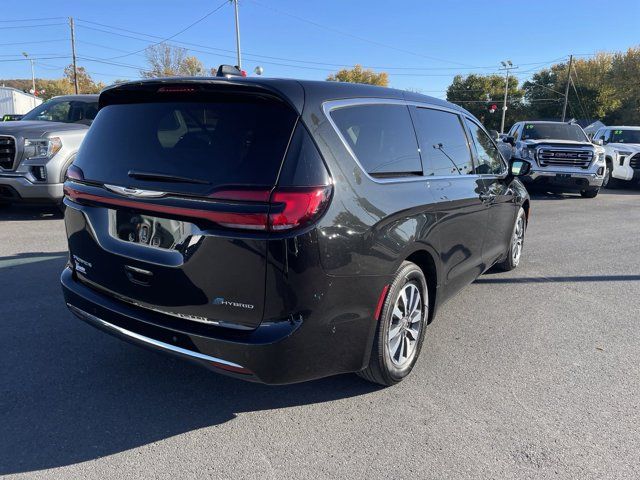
(41, 147)
(528, 153)
(599, 158)
(623, 153)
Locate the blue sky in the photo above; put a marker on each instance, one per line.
(421, 44)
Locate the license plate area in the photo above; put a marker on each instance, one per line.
(150, 231)
(563, 177)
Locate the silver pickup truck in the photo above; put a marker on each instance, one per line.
(36, 151)
(562, 157)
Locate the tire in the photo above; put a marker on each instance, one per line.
(609, 180)
(516, 244)
(393, 357)
(591, 193)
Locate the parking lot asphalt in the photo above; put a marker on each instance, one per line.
(527, 374)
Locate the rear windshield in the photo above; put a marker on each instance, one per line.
(227, 143)
(553, 131)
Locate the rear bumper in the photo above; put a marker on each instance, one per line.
(19, 189)
(289, 351)
(556, 179)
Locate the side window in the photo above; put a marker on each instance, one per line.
(516, 133)
(512, 132)
(443, 143)
(489, 159)
(382, 138)
(607, 136)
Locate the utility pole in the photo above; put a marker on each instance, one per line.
(235, 3)
(73, 54)
(566, 90)
(33, 78)
(506, 65)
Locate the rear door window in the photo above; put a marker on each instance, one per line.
(228, 143)
(381, 137)
(443, 143)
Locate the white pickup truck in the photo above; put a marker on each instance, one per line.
(622, 153)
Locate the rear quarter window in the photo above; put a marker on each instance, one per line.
(381, 137)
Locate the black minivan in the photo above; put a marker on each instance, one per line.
(281, 230)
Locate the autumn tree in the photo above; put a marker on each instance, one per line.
(169, 61)
(85, 82)
(358, 74)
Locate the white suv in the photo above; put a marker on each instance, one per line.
(622, 153)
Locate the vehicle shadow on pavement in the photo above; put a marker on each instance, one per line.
(71, 393)
(29, 212)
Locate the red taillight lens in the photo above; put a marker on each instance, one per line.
(289, 207)
(299, 206)
(75, 173)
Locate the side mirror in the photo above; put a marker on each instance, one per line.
(519, 168)
(510, 140)
(599, 142)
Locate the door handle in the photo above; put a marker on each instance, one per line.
(486, 197)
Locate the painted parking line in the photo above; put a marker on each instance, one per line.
(13, 262)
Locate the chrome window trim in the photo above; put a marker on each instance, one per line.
(330, 105)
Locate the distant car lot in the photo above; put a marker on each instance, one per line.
(523, 375)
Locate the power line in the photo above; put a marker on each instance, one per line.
(31, 26)
(32, 42)
(362, 39)
(31, 19)
(175, 34)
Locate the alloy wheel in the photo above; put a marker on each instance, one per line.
(517, 241)
(406, 323)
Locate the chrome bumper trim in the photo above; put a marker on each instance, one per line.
(154, 343)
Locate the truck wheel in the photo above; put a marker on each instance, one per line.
(591, 193)
(400, 329)
(516, 244)
(607, 175)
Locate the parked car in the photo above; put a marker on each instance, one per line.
(622, 153)
(281, 230)
(36, 151)
(562, 157)
(11, 117)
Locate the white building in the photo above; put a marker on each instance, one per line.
(13, 101)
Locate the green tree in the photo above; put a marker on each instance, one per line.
(478, 93)
(357, 74)
(624, 88)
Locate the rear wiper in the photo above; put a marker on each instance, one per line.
(164, 177)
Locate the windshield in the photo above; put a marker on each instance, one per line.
(625, 136)
(66, 111)
(553, 131)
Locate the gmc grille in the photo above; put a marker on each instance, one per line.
(564, 158)
(7, 152)
(635, 161)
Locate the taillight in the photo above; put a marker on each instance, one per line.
(300, 206)
(289, 208)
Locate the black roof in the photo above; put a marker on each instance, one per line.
(297, 91)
